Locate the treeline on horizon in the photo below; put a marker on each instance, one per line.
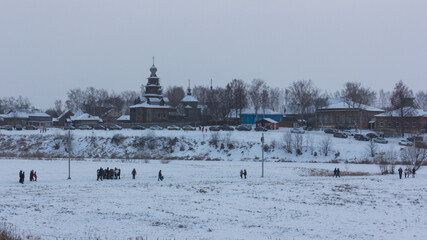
(303, 95)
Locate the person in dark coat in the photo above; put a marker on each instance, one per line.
(133, 173)
(20, 177)
(245, 173)
(31, 175)
(118, 173)
(241, 173)
(160, 178)
(413, 172)
(101, 173)
(400, 172)
(335, 172)
(338, 172)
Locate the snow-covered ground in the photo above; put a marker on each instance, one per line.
(208, 200)
(231, 146)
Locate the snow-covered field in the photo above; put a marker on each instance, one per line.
(165, 144)
(208, 200)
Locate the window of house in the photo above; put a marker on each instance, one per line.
(158, 115)
(406, 124)
(337, 119)
(343, 119)
(381, 124)
(389, 123)
(414, 124)
(397, 124)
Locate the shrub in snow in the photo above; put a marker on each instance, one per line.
(117, 139)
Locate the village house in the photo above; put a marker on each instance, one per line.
(415, 121)
(84, 119)
(248, 116)
(343, 115)
(23, 118)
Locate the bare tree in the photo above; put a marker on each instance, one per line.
(384, 99)
(302, 94)
(75, 99)
(297, 143)
(415, 156)
(175, 94)
(355, 96)
(325, 145)
(401, 100)
(421, 100)
(238, 95)
(265, 99)
(287, 141)
(371, 148)
(58, 106)
(255, 94)
(275, 99)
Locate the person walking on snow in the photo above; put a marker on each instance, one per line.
(31, 175)
(160, 178)
(400, 172)
(245, 173)
(413, 172)
(35, 176)
(338, 172)
(241, 174)
(335, 172)
(133, 173)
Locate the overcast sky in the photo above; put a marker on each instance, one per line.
(49, 47)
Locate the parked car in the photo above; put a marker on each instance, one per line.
(69, 127)
(188, 128)
(30, 127)
(137, 127)
(18, 127)
(156, 127)
(226, 128)
(361, 137)
(243, 128)
(214, 128)
(349, 132)
(372, 135)
(84, 127)
(6, 127)
(114, 127)
(261, 129)
(417, 139)
(380, 140)
(297, 130)
(99, 127)
(173, 127)
(340, 135)
(330, 131)
(405, 142)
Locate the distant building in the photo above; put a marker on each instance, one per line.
(62, 119)
(84, 119)
(248, 115)
(342, 115)
(31, 117)
(124, 119)
(268, 123)
(415, 121)
(153, 107)
(188, 109)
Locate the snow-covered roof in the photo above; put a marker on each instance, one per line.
(146, 105)
(124, 118)
(54, 119)
(78, 113)
(189, 98)
(249, 111)
(188, 106)
(16, 114)
(85, 117)
(407, 112)
(268, 120)
(344, 105)
(154, 100)
(63, 113)
(38, 114)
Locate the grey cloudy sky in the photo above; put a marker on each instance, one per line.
(49, 47)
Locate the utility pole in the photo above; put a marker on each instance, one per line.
(262, 146)
(69, 154)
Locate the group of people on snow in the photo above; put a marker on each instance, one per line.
(337, 172)
(243, 173)
(108, 173)
(33, 176)
(407, 171)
